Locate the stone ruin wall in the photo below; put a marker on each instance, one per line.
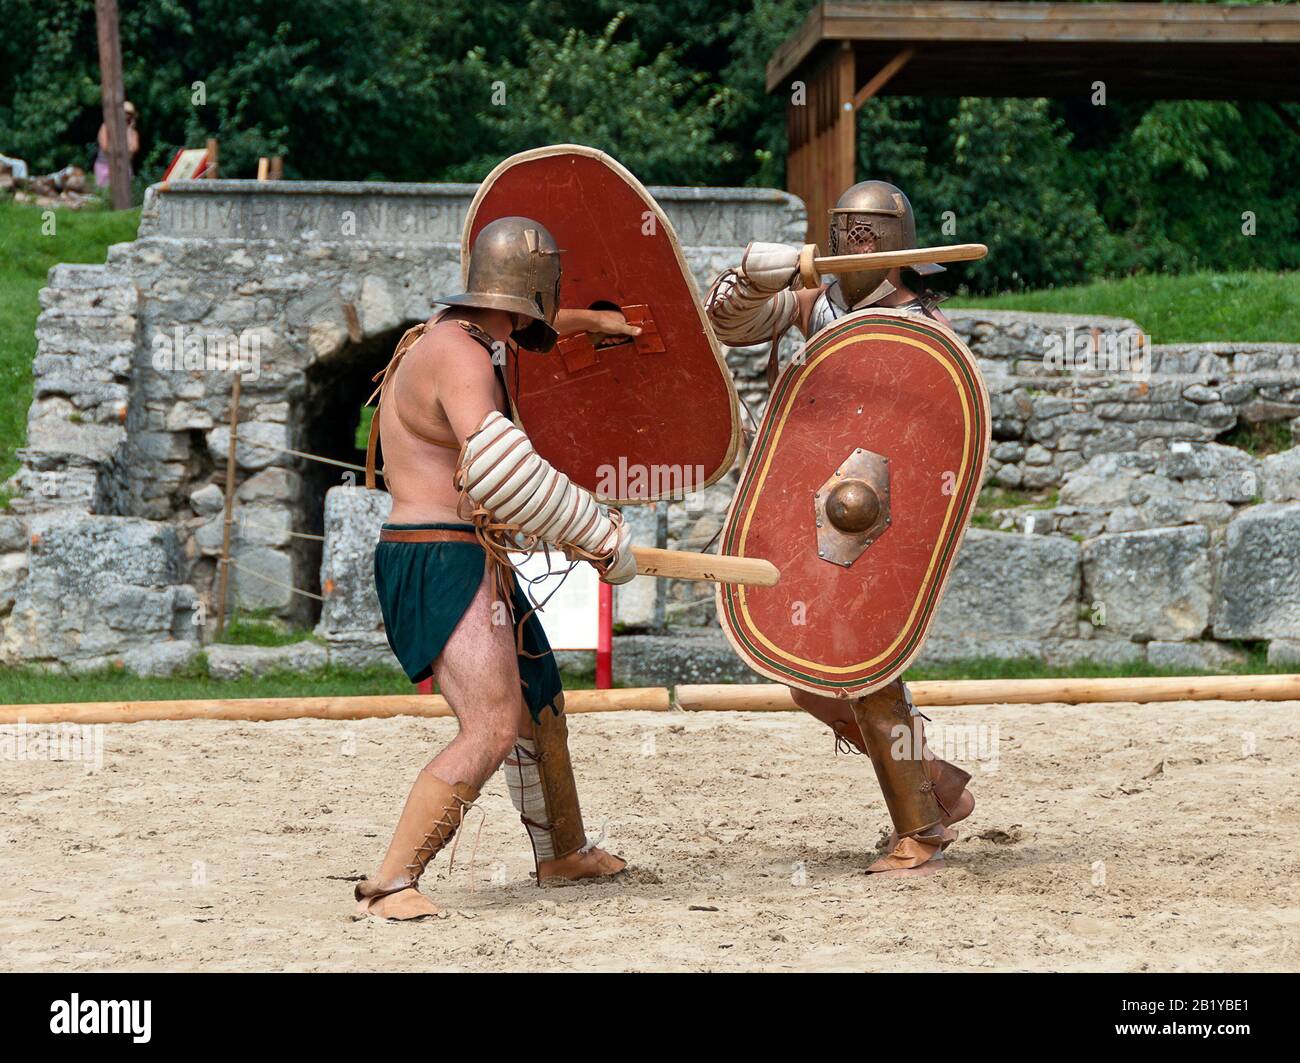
(1144, 535)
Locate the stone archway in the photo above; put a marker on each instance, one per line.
(333, 427)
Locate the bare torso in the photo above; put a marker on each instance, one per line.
(418, 473)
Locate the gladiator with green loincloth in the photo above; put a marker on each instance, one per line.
(468, 488)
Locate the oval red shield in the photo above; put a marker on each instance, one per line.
(897, 400)
(637, 421)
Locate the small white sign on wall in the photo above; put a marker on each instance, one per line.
(571, 616)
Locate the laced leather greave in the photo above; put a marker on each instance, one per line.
(433, 813)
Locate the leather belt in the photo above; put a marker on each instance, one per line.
(426, 535)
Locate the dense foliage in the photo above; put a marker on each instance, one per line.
(409, 90)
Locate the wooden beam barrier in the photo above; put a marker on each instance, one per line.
(771, 697)
(739, 697)
(264, 710)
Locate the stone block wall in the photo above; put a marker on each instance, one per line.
(1122, 521)
(1127, 528)
(1186, 550)
(311, 284)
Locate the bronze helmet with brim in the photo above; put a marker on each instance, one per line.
(514, 265)
(872, 216)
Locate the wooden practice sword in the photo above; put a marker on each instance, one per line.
(812, 264)
(716, 568)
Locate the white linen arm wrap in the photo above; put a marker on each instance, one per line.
(501, 472)
(750, 304)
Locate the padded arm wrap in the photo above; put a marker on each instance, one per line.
(502, 473)
(743, 314)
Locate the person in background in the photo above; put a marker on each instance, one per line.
(132, 147)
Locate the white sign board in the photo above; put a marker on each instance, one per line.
(571, 616)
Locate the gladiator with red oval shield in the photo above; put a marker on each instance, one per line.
(859, 488)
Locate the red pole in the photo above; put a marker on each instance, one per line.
(605, 639)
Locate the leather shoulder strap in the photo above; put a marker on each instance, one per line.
(482, 337)
(383, 377)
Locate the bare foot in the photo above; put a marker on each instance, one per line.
(594, 863)
(406, 904)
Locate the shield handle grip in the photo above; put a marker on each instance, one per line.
(715, 568)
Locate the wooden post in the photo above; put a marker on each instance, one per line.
(114, 103)
(277, 168)
(822, 134)
(842, 134)
(822, 142)
(214, 154)
(223, 573)
(263, 169)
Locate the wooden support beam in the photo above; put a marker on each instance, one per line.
(882, 77)
(1241, 33)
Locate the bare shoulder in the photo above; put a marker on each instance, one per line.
(447, 350)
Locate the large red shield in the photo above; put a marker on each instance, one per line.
(859, 488)
(639, 420)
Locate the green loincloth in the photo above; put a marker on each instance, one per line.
(424, 590)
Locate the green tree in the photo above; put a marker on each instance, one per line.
(675, 89)
(655, 115)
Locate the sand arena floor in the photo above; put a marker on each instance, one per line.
(1113, 837)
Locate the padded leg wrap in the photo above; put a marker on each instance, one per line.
(524, 780)
(895, 744)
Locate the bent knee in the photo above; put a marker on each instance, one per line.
(495, 736)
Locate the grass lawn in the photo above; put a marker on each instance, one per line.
(1256, 663)
(1194, 308)
(34, 686)
(26, 254)
(25, 686)
(29, 686)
